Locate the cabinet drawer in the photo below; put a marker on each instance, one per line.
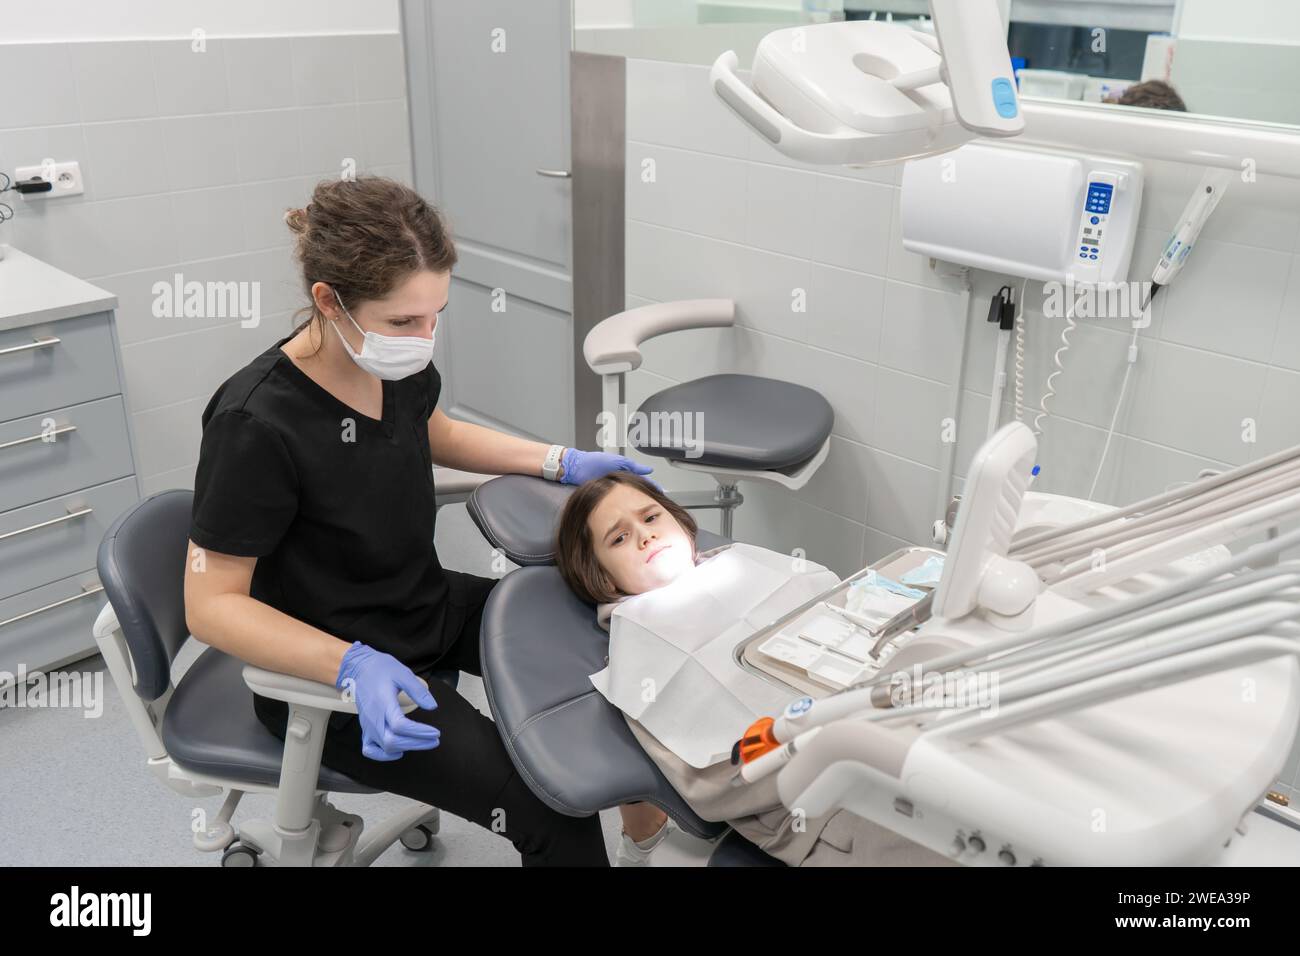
(50, 624)
(50, 540)
(79, 367)
(94, 449)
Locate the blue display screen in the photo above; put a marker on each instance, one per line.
(1099, 197)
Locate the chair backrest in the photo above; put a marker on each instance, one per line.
(142, 568)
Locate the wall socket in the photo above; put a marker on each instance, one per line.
(66, 178)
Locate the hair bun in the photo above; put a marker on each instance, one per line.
(296, 220)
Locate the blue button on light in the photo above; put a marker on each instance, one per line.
(1004, 97)
(1083, 255)
(1095, 220)
(1093, 256)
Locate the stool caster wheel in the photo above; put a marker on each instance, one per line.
(419, 838)
(239, 855)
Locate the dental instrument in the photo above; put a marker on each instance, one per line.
(770, 761)
(1136, 619)
(1204, 200)
(1215, 509)
(998, 475)
(1210, 483)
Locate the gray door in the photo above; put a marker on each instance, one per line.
(489, 100)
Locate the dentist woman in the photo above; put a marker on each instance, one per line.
(311, 544)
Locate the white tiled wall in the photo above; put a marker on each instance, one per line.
(725, 215)
(190, 160)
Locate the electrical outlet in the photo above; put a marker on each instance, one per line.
(66, 178)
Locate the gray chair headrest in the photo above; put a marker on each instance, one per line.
(520, 515)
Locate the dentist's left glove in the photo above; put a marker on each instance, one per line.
(375, 678)
(580, 466)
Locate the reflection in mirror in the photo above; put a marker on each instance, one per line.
(1238, 59)
(1083, 51)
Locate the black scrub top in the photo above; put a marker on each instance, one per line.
(338, 507)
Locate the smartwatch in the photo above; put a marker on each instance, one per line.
(551, 466)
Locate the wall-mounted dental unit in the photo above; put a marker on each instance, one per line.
(865, 92)
(1032, 213)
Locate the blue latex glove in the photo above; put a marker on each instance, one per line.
(374, 679)
(580, 466)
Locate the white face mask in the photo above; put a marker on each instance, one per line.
(388, 357)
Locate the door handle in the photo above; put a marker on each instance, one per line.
(555, 173)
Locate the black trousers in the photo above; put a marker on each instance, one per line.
(469, 773)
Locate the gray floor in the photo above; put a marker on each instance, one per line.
(76, 791)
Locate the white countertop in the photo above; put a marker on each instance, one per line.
(33, 291)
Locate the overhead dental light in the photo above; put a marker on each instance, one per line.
(866, 92)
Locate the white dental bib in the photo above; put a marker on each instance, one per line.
(672, 661)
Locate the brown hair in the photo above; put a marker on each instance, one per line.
(575, 552)
(363, 237)
(1153, 94)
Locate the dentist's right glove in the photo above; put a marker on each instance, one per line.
(375, 678)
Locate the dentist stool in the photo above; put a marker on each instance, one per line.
(751, 428)
(200, 734)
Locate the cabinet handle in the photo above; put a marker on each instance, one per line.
(37, 344)
(22, 441)
(45, 524)
(85, 593)
(555, 173)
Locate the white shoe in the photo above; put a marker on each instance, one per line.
(632, 853)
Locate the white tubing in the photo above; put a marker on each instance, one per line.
(954, 405)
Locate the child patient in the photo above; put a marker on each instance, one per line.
(619, 536)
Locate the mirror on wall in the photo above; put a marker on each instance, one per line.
(1227, 58)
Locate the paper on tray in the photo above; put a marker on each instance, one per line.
(671, 650)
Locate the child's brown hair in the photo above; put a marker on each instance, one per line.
(575, 552)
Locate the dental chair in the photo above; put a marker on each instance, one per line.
(200, 734)
(539, 644)
(752, 428)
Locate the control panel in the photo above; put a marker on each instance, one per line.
(1094, 219)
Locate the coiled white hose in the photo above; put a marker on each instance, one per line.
(1049, 389)
(1020, 354)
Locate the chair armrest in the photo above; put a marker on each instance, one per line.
(614, 345)
(306, 693)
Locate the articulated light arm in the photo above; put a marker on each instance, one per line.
(867, 92)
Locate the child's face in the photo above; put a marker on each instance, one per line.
(639, 544)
